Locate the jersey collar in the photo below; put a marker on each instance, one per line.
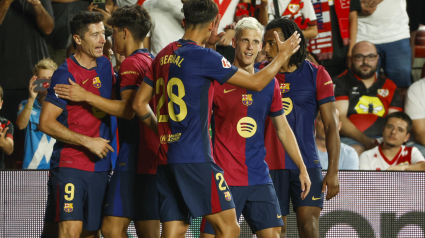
(182, 41)
(72, 57)
(140, 51)
(394, 160)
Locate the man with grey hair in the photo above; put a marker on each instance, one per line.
(238, 135)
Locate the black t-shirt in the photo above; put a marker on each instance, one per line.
(367, 106)
(4, 123)
(22, 44)
(339, 49)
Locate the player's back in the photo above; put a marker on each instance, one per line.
(238, 131)
(80, 117)
(182, 75)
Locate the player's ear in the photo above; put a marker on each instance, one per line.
(77, 39)
(407, 137)
(211, 26)
(184, 23)
(234, 42)
(1, 104)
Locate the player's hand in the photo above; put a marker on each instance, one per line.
(3, 133)
(400, 167)
(331, 181)
(33, 95)
(73, 92)
(99, 146)
(215, 36)
(290, 46)
(91, 7)
(226, 39)
(305, 183)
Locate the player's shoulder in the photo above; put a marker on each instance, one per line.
(104, 61)
(61, 73)
(261, 65)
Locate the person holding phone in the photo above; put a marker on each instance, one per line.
(38, 146)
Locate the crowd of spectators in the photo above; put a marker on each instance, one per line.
(367, 47)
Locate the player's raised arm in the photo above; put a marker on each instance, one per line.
(258, 81)
(49, 125)
(287, 138)
(142, 108)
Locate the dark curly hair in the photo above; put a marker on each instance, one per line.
(288, 27)
(133, 18)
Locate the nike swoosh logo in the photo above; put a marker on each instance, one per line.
(85, 81)
(279, 216)
(313, 198)
(106, 205)
(229, 90)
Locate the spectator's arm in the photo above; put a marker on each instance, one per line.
(119, 108)
(6, 141)
(353, 34)
(418, 130)
(4, 7)
(410, 167)
(310, 32)
(263, 16)
(64, 1)
(287, 138)
(49, 125)
(348, 129)
(45, 22)
(24, 115)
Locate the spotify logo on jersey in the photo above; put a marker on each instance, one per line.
(287, 105)
(247, 127)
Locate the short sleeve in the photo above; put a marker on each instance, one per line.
(364, 162)
(276, 108)
(22, 106)
(9, 132)
(355, 6)
(414, 103)
(216, 67)
(308, 12)
(417, 156)
(60, 76)
(148, 79)
(340, 92)
(324, 85)
(47, 4)
(130, 75)
(396, 102)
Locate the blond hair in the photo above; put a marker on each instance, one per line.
(248, 23)
(45, 63)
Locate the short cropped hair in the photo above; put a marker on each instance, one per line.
(134, 18)
(248, 23)
(288, 27)
(403, 116)
(46, 63)
(80, 23)
(198, 12)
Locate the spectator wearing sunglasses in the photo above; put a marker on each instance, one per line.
(364, 98)
(38, 146)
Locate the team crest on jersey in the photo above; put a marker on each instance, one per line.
(227, 196)
(97, 83)
(247, 99)
(284, 87)
(294, 8)
(226, 63)
(68, 207)
(383, 92)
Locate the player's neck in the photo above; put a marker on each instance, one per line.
(85, 60)
(321, 144)
(198, 36)
(286, 68)
(131, 47)
(369, 82)
(247, 68)
(389, 151)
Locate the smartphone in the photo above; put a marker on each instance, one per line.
(100, 4)
(41, 85)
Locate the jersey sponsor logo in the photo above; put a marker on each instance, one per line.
(98, 113)
(85, 81)
(68, 207)
(227, 196)
(129, 72)
(97, 83)
(284, 87)
(329, 82)
(228, 91)
(314, 199)
(383, 92)
(247, 99)
(287, 105)
(226, 63)
(164, 139)
(279, 216)
(246, 127)
(370, 105)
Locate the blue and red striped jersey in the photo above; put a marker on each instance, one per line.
(181, 76)
(139, 145)
(80, 117)
(303, 91)
(238, 131)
